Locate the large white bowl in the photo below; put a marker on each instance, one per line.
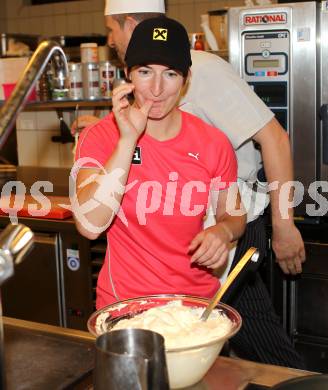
(186, 365)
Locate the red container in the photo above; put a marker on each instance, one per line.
(9, 87)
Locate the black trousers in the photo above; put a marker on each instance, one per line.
(261, 337)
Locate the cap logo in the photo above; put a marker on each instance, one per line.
(160, 34)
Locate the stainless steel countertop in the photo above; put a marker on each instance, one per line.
(40, 357)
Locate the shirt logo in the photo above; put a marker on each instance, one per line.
(136, 159)
(196, 155)
(160, 34)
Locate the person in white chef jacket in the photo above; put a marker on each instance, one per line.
(220, 97)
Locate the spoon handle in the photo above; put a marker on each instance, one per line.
(251, 254)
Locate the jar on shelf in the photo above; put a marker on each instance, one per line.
(75, 81)
(91, 88)
(119, 78)
(89, 52)
(107, 75)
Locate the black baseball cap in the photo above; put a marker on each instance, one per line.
(162, 41)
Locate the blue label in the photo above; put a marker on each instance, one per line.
(73, 259)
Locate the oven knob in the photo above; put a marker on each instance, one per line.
(266, 53)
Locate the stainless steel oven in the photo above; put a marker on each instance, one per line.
(281, 50)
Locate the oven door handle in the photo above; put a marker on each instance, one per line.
(324, 118)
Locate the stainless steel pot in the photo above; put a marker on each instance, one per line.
(131, 359)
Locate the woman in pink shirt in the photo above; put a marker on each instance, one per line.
(147, 174)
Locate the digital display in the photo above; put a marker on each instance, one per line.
(266, 63)
(273, 94)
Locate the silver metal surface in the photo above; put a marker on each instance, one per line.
(61, 284)
(303, 98)
(17, 100)
(131, 359)
(307, 27)
(15, 242)
(323, 167)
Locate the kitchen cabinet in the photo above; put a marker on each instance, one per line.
(301, 300)
(35, 291)
(54, 284)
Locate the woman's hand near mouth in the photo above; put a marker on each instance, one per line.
(131, 119)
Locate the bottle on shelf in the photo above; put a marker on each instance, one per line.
(60, 81)
(45, 84)
(43, 88)
(199, 43)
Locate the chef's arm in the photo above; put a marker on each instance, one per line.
(278, 166)
(99, 192)
(287, 242)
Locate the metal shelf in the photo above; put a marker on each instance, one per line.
(54, 104)
(68, 104)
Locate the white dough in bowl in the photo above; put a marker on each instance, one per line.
(180, 325)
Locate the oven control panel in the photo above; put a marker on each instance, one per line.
(266, 69)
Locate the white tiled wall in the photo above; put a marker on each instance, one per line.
(86, 17)
(3, 15)
(66, 17)
(34, 132)
(3, 22)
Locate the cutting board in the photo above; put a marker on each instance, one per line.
(47, 206)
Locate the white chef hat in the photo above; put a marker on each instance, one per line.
(117, 7)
